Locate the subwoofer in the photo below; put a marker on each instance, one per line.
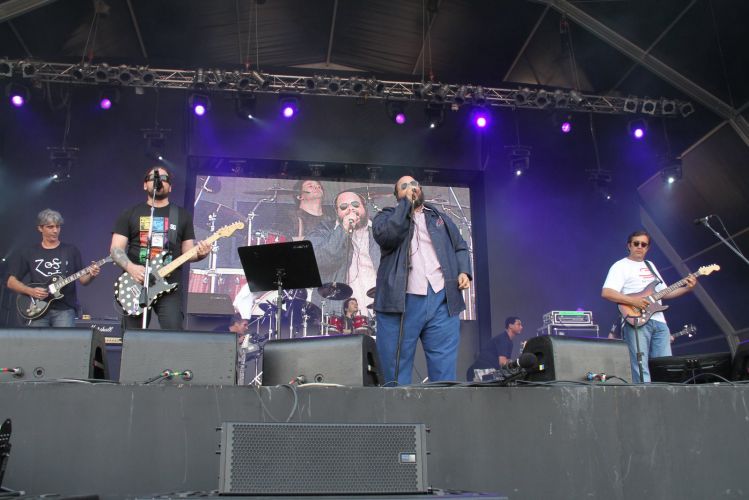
(572, 358)
(322, 459)
(339, 359)
(52, 353)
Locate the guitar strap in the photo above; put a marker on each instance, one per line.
(652, 270)
(172, 234)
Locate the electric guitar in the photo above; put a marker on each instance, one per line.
(31, 308)
(688, 330)
(637, 316)
(127, 290)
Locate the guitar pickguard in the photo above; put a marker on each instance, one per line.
(127, 291)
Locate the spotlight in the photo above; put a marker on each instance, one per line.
(147, 76)
(101, 74)
(198, 82)
(262, 80)
(355, 85)
(686, 109)
(460, 95)
(522, 96)
(542, 99)
(671, 171)
(28, 69)
(125, 75)
(334, 85)
(435, 115)
(649, 106)
(80, 72)
(519, 158)
(223, 80)
(396, 111)
(480, 118)
(246, 106)
(441, 93)
(108, 98)
(289, 106)
(423, 91)
(566, 127)
(200, 104)
(637, 128)
(243, 81)
(63, 160)
(576, 98)
(375, 87)
(314, 82)
(630, 104)
(561, 99)
(479, 99)
(6, 68)
(668, 106)
(18, 95)
(155, 142)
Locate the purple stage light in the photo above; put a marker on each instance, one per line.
(105, 103)
(288, 111)
(638, 133)
(17, 100)
(566, 127)
(400, 118)
(199, 109)
(481, 121)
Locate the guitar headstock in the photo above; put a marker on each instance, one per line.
(705, 270)
(688, 330)
(229, 230)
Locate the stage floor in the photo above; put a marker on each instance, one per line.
(556, 441)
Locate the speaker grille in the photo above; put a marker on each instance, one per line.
(322, 458)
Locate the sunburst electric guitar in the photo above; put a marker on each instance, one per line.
(127, 290)
(636, 316)
(31, 308)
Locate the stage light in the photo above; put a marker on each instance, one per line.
(435, 115)
(108, 98)
(671, 170)
(576, 98)
(28, 69)
(263, 81)
(479, 99)
(6, 68)
(198, 82)
(314, 82)
(396, 111)
(561, 99)
(155, 139)
(223, 80)
(289, 106)
(101, 74)
(686, 109)
(125, 75)
(668, 106)
(637, 128)
(334, 85)
(566, 127)
(147, 76)
(441, 93)
(522, 96)
(519, 159)
(480, 118)
(460, 95)
(200, 104)
(243, 81)
(423, 91)
(542, 99)
(63, 159)
(17, 94)
(630, 104)
(649, 106)
(80, 72)
(355, 85)
(246, 106)
(375, 86)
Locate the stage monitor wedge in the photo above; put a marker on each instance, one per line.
(189, 357)
(52, 353)
(571, 358)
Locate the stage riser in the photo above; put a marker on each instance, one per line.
(527, 442)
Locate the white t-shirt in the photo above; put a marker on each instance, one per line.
(630, 276)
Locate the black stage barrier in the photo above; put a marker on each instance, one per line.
(553, 441)
(578, 358)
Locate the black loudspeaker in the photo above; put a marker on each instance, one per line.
(52, 353)
(339, 359)
(572, 358)
(322, 459)
(740, 369)
(692, 368)
(178, 357)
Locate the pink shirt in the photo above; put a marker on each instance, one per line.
(425, 267)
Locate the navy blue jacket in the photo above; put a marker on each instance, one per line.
(391, 229)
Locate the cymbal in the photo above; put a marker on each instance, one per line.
(224, 215)
(335, 291)
(372, 191)
(310, 309)
(272, 190)
(371, 292)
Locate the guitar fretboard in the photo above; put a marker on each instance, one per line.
(66, 281)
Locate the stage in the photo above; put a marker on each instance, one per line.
(553, 441)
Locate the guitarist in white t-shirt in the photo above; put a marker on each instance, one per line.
(632, 275)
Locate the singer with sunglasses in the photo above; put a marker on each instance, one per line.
(425, 265)
(631, 275)
(345, 249)
(172, 231)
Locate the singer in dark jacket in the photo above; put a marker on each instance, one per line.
(424, 265)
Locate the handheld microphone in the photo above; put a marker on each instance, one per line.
(702, 220)
(526, 361)
(156, 179)
(351, 225)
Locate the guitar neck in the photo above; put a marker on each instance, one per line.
(678, 284)
(83, 272)
(173, 265)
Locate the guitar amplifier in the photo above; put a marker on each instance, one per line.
(111, 329)
(568, 318)
(571, 330)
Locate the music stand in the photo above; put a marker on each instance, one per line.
(277, 266)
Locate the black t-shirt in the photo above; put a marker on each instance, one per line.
(134, 223)
(309, 221)
(41, 265)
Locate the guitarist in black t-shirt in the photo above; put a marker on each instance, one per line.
(39, 266)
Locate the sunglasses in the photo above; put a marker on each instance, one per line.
(163, 178)
(642, 244)
(344, 206)
(405, 185)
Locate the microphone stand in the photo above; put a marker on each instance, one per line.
(734, 249)
(408, 270)
(640, 368)
(147, 268)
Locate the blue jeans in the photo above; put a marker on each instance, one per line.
(426, 318)
(655, 342)
(56, 318)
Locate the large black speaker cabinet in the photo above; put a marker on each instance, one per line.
(178, 357)
(340, 359)
(571, 358)
(52, 353)
(319, 459)
(691, 368)
(740, 369)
